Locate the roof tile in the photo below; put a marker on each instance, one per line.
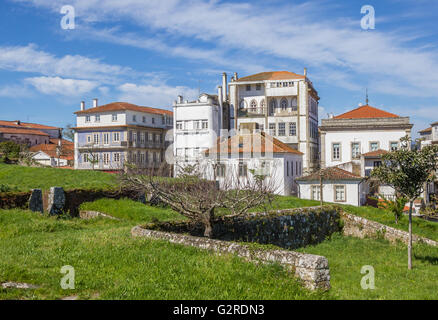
(366, 111)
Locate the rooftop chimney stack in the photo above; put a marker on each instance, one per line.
(95, 103)
(305, 72)
(224, 87)
(82, 105)
(235, 76)
(180, 99)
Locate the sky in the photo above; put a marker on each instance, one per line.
(148, 52)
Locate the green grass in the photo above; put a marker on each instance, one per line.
(26, 178)
(393, 280)
(131, 210)
(110, 264)
(420, 226)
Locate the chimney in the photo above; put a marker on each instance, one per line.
(17, 122)
(180, 99)
(235, 76)
(305, 72)
(95, 103)
(219, 94)
(224, 87)
(82, 105)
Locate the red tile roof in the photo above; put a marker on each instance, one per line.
(377, 153)
(26, 125)
(428, 130)
(247, 140)
(22, 131)
(273, 75)
(366, 111)
(120, 106)
(331, 173)
(67, 151)
(63, 142)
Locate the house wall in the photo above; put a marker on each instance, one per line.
(355, 191)
(30, 139)
(365, 137)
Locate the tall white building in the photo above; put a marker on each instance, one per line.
(283, 104)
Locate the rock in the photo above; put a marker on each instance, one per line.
(18, 285)
(36, 201)
(56, 201)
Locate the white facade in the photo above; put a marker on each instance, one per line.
(46, 160)
(197, 125)
(352, 192)
(282, 104)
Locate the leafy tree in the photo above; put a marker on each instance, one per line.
(68, 132)
(407, 171)
(11, 149)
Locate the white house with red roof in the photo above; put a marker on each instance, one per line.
(108, 136)
(344, 138)
(30, 134)
(281, 103)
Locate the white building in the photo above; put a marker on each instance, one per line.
(345, 137)
(430, 135)
(283, 104)
(243, 155)
(339, 186)
(197, 125)
(120, 132)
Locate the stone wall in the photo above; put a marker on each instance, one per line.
(12, 200)
(359, 227)
(291, 229)
(313, 270)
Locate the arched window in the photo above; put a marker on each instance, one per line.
(283, 104)
(262, 106)
(294, 104)
(242, 104)
(272, 106)
(253, 106)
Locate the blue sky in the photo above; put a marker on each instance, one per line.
(148, 52)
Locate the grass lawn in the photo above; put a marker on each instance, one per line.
(393, 280)
(25, 178)
(110, 264)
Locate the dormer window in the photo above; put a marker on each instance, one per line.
(248, 87)
(97, 118)
(114, 117)
(87, 119)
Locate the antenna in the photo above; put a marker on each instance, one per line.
(366, 98)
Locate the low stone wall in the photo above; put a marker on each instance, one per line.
(291, 229)
(359, 227)
(94, 214)
(313, 270)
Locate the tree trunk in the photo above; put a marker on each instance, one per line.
(208, 224)
(410, 236)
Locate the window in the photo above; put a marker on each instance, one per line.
(106, 138)
(204, 124)
(142, 158)
(283, 104)
(117, 157)
(89, 139)
(106, 158)
(242, 104)
(339, 193)
(134, 118)
(374, 146)
(394, 146)
(292, 129)
(97, 118)
(272, 129)
(116, 136)
(262, 106)
(87, 119)
(248, 87)
(291, 168)
(154, 157)
(294, 104)
(291, 84)
(85, 158)
(316, 193)
(287, 168)
(142, 137)
(272, 106)
(253, 106)
(281, 129)
(114, 117)
(258, 87)
(220, 170)
(355, 150)
(134, 136)
(163, 120)
(153, 120)
(96, 138)
(377, 164)
(144, 119)
(243, 169)
(336, 151)
(179, 125)
(261, 127)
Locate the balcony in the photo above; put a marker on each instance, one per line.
(252, 113)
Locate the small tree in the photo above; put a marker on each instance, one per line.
(197, 198)
(395, 206)
(68, 132)
(407, 171)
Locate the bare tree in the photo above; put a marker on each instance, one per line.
(198, 199)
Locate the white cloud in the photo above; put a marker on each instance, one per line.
(15, 91)
(154, 95)
(60, 86)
